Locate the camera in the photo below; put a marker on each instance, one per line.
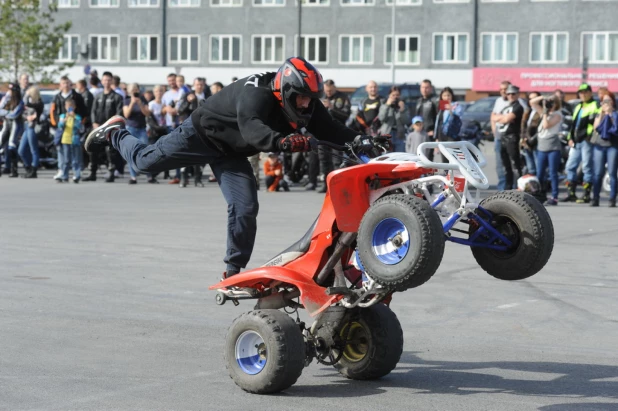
(548, 102)
(395, 103)
(136, 94)
(172, 104)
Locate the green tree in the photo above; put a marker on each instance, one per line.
(30, 39)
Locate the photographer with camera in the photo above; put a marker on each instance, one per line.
(135, 110)
(394, 118)
(547, 141)
(605, 148)
(170, 101)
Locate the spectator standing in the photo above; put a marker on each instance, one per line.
(29, 145)
(188, 104)
(24, 84)
(273, 172)
(448, 121)
(135, 110)
(117, 86)
(215, 88)
(170, 101)
(417, 137)
(149, 95)
(427, 107)
(549, 147)
(530, 125)
(57, 108)
(605, 148)
(499, 105)
(12, 128)
(95, 86)
(393, 117)
(71, 127)
(566, 108)
(339, 107)
(508, 124)
(579, 142)
(182, 86)
(367, 116)
(106, 105)
(82, 88)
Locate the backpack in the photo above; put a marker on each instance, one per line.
(452, 126)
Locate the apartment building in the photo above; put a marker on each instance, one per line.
(466, 44)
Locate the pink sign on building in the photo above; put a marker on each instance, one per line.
(543, 79)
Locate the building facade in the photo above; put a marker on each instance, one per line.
(466, 44)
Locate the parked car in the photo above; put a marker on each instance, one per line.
(480, 111)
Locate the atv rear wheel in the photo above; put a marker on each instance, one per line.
(400, 241)
(264, 351)
(527, 224)
(374, 344)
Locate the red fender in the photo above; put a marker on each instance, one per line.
(312, 296)
(349, 190)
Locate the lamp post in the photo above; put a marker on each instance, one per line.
(393, 43)
(300, 20)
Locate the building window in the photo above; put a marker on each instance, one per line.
(600, 47)
(104, 48)
(549, 47)
(183, 49)
(104, 3)
(225, 49)
(143, 3)
(499, 47)
(450, 48)
(316, 2)
(269, 2)
(357, 2)
(226, 3)
(70, 48)
(144, 48)
(267, 49)
(406, 49)
(404, 2)
(356, 49)
(184, 3)
(314, 48)
(68, 3)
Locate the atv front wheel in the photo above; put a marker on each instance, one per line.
(264, 351)
(374, 342)
(400, 241)
(527, 225)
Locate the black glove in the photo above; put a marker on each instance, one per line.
(294, 143)
(363, 144)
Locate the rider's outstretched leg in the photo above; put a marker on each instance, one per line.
(182, 147)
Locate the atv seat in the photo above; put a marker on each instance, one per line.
(295, 250)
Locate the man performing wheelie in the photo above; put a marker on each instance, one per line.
(260, 113)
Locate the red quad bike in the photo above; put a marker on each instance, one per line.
(379, 231)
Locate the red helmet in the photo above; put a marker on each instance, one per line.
(297, 77)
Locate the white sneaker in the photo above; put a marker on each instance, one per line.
(58, 175)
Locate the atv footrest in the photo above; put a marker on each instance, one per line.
(339, 290)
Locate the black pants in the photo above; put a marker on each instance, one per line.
(320, 161)
(511, 158)
(183, 148)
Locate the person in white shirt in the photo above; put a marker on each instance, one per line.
(499, 105)
(170, 101)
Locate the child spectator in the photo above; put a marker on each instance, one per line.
(71, 125)
(417, 136)
(273, 170)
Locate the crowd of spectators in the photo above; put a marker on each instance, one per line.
(529, 131)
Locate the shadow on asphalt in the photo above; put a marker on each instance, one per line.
(545, 379)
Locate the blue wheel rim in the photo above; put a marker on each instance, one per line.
(390, 241)
(251, 352)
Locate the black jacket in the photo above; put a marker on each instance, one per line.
(57, 106)
(106, 106)
(428, 109)
(32, 108)
(340, 106)
(185, 108)
(246, 118)
(88, 101)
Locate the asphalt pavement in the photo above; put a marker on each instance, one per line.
(104, 305)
